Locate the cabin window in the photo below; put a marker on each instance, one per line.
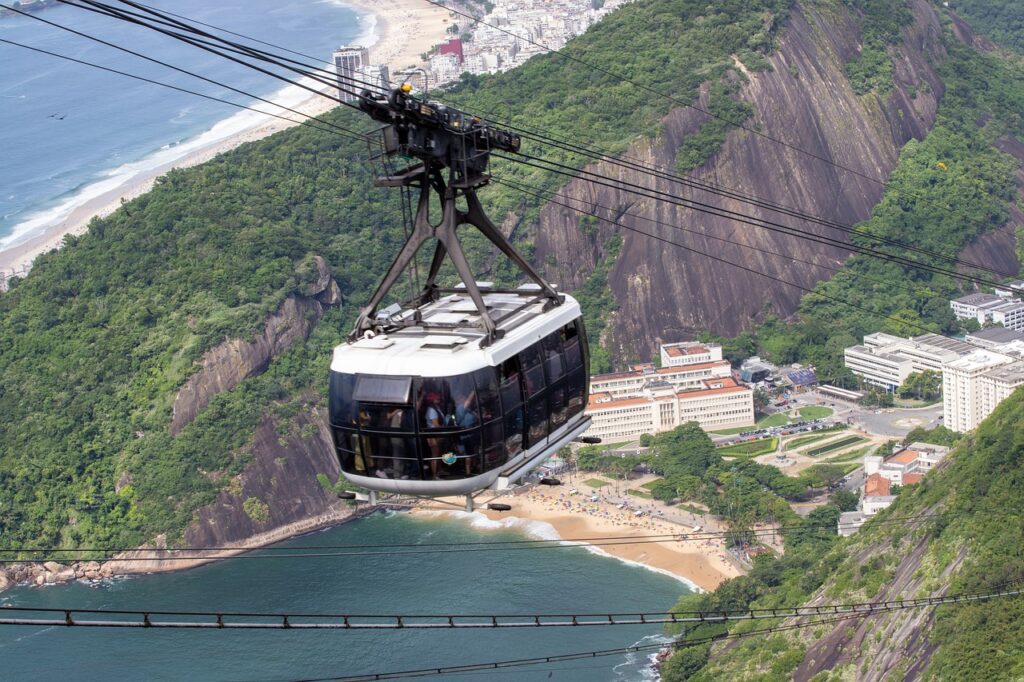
(382, 389)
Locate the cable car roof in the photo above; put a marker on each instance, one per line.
(454, 348)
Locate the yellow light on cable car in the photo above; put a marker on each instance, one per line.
(406, 88)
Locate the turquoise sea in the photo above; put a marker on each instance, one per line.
(69, 133)
(566, 580)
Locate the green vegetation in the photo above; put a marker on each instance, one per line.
(979, 522)
(820, 435)
(729, 113)
(97, 340)
(595, 483)
(1000, 20)
(777, 419)
(881, 23)
(639, 493)
(926, 385)
(257, 510)
(815, 412)
(834, 445)
(751, 448)
(650, 485)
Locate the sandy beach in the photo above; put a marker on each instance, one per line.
(700, 563)
(404, 30)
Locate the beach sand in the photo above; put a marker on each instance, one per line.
(701, 563)
(405, 29)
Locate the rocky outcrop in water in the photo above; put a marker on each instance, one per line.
(666, 293)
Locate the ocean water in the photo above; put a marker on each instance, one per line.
(70, 132)
(567, 580)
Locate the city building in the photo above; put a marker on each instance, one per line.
(994, 338)
(968, 307)
(689, 353)
(999, 308)
(755, 370)
(1011, 289)
(886, 361)
(717, 403)
(877, 494)
(705, 364)
(355, 73)
(906, 467)
(974, 385)
(850, 523)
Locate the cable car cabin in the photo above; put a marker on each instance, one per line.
(418, 412)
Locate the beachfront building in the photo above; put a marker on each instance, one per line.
(974, 385)
(717, 403)
(349, 61)
(886, 361)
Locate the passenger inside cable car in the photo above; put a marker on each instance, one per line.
(445, 428)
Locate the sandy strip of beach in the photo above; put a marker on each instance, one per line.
(405, 29)
(702, 563)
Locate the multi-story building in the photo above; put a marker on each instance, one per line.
(992, 308)
(707, 364)
(349, 61)
(994, 338)
(968, 394)
(967, 307)
(717, 403)
(689, 353)
(1010, 314)
(885, 360)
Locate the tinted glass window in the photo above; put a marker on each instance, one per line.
(382, 389)
(537, 422)
(534, 380)
(530, 357)
(573, 356)
(432, 404)
(575, 394)
(551, 347)
(494, 446)
(343, 410)
(442, 459)
(487, 393)
(464, 412)
(557, 406)
(386, 417)
(390, 456)
(514, 425)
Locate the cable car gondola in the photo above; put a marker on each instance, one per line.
(459, 389)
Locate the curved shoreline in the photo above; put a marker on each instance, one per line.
(403, 30)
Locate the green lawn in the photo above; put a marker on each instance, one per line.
(596, 483)
(854, 456)
(807, 440)
(751, 448)
(834, 445)
(815, 412)
(777, 419)
(638, 493)
(650, 484)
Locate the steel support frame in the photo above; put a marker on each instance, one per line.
(430, 180)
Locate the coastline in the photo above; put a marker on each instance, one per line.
(700, 564)
(403, 29)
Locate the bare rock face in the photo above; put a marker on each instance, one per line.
(666, 293)
(235, 360)
(998, 248)
(282, 476)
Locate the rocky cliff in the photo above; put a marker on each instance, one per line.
(805, 101)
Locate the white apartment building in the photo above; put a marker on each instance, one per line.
(633, 382)
(967, 307)
(689, 353)
(971, 393)
(991, 308)
(994, 338)
(1010, 314)
(886, 361)
(718, 403)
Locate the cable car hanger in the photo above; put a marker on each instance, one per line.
(442, 139)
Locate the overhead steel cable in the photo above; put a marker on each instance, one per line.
(597, 154)
(658, 93)
(181, 70)
(735, 216)
(753, 271)
(263, 620)
(723, 213)
(525, 187)
(311, 122)
(392, 549)
(499, 666)
(115, 13)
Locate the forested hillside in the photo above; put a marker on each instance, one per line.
(961, 532)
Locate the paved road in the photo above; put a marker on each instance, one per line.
(888, 423)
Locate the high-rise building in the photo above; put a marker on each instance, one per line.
(349, 63)
(974, 385)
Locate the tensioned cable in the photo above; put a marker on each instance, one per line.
(736, 216)
(392, 549)
(657, 92)
(752, 270)
(565, 146)
(181, 70)
(153, 618)
(311, 122)
(497, 666)
(525, 187)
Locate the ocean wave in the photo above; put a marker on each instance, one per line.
(123, 176)
(543, 530)
(367, 22)
(639, 666)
